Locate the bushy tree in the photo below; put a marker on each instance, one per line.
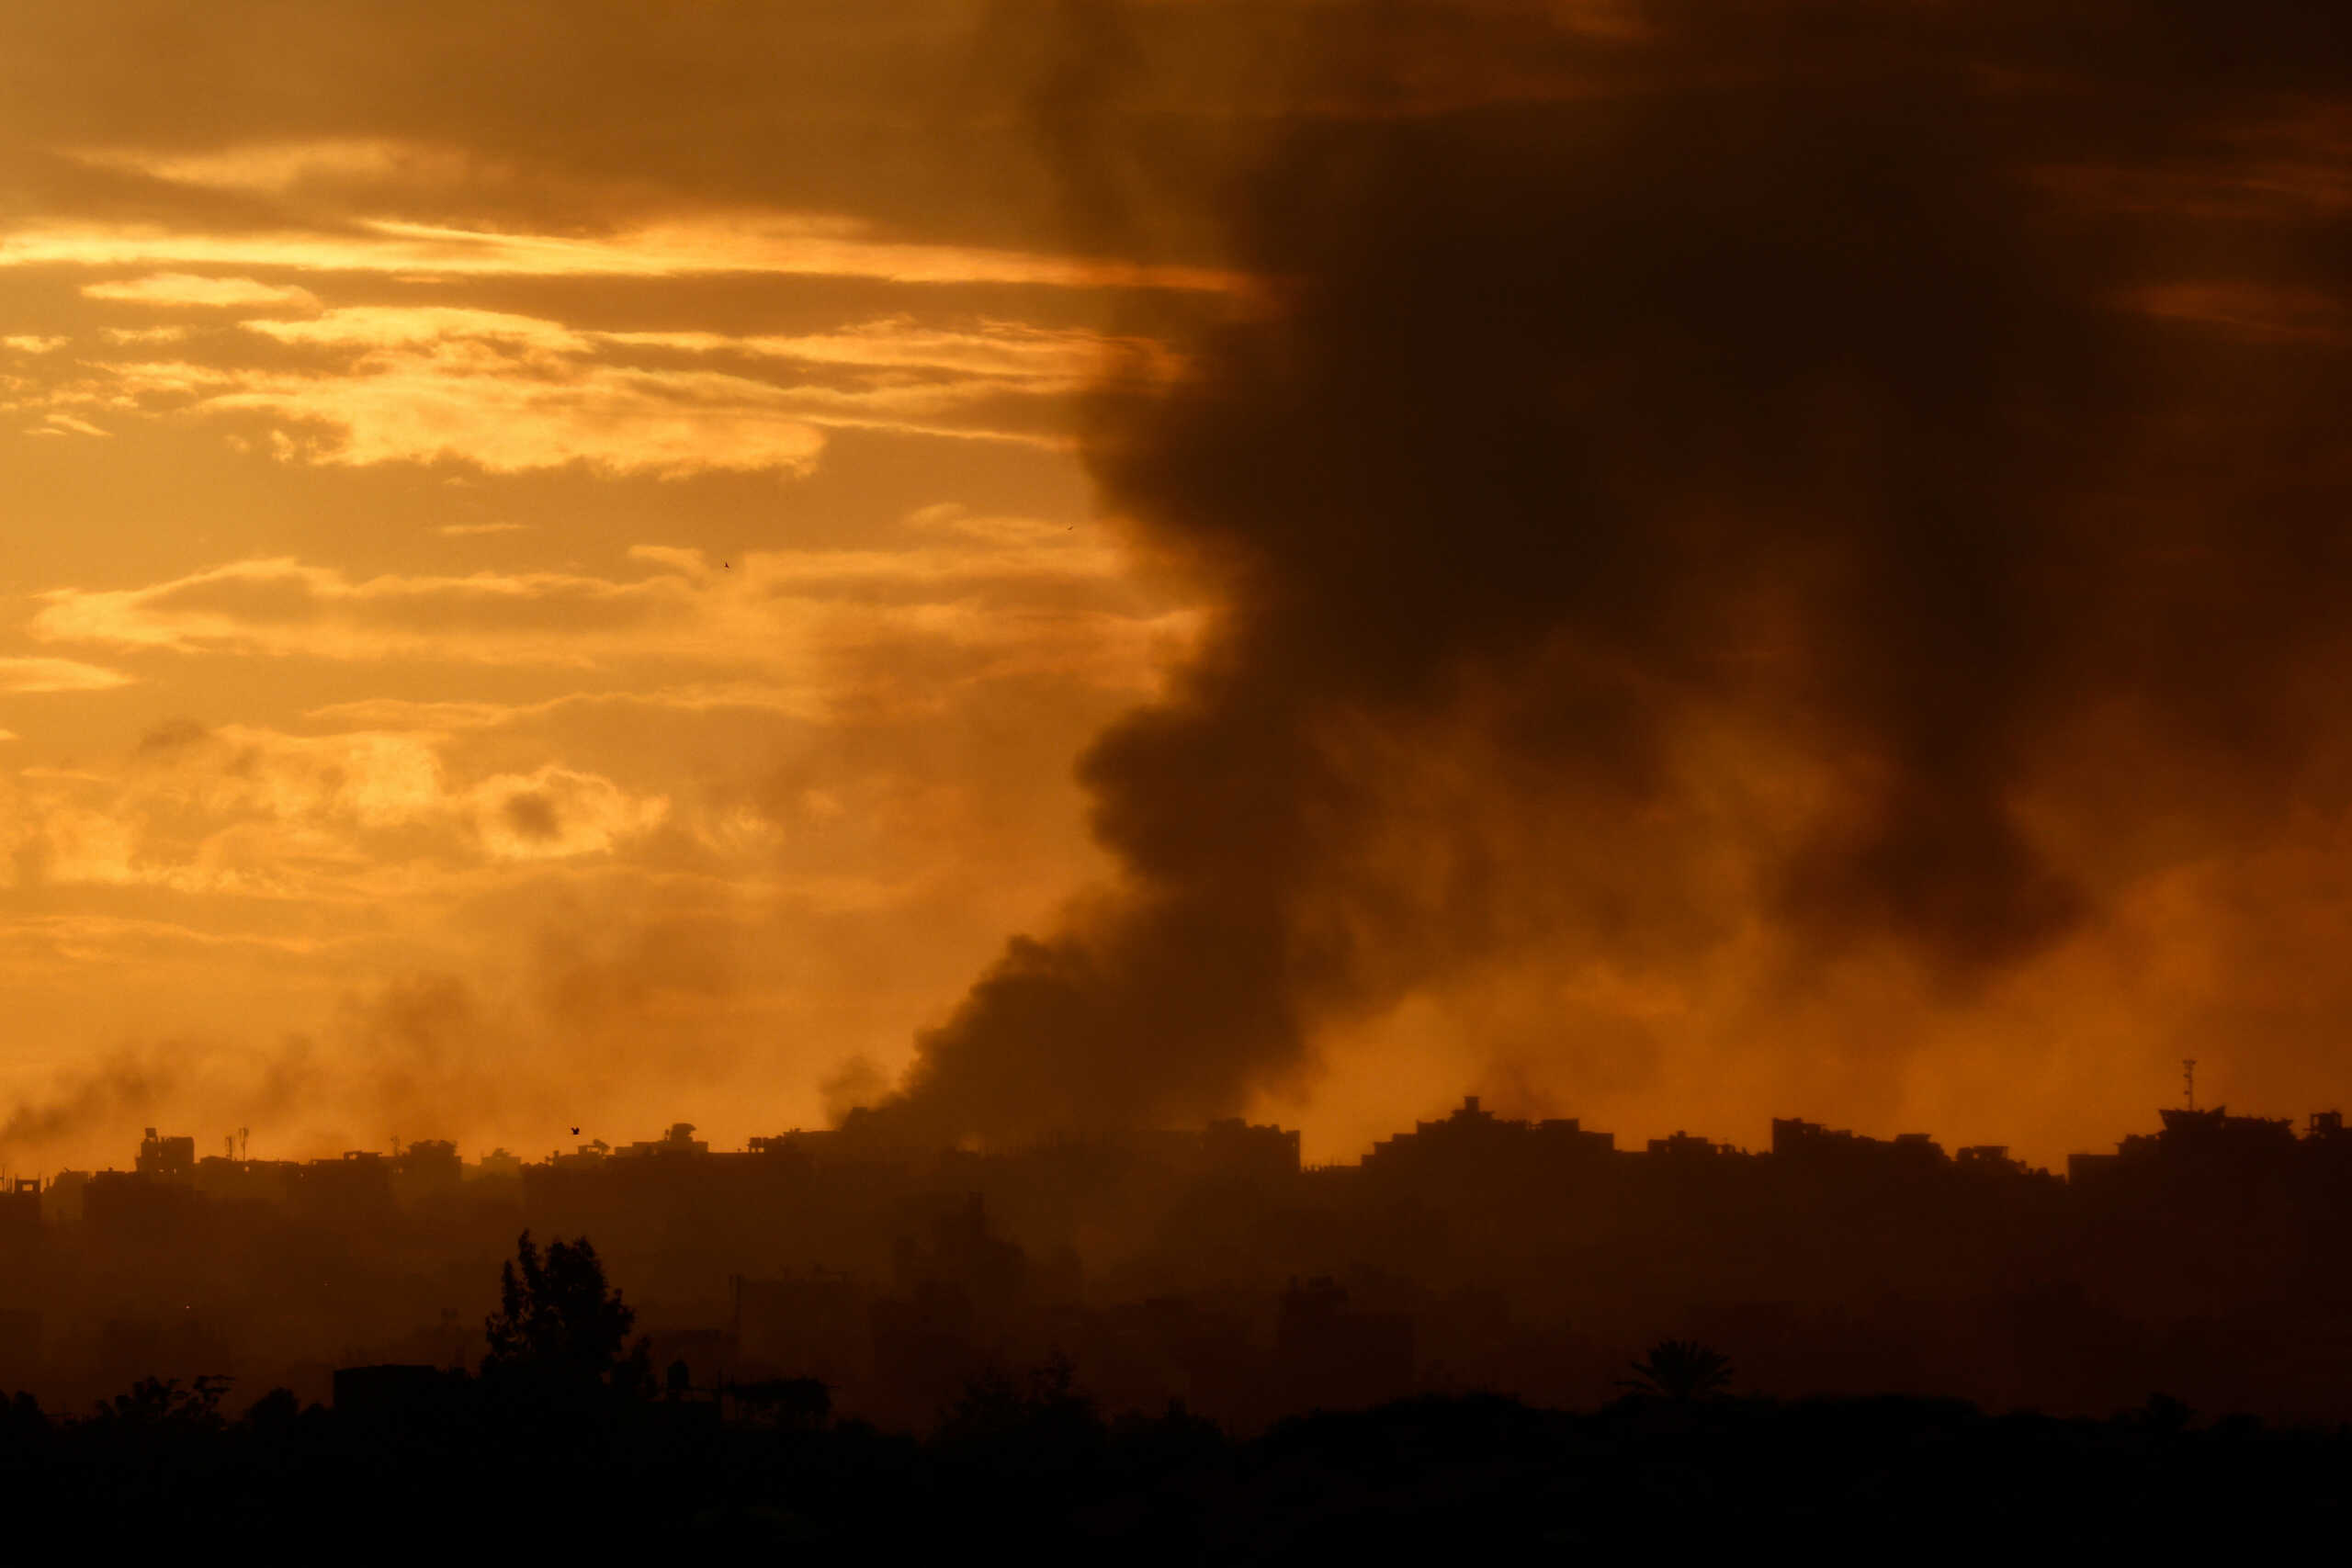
(1046, 1429)
(24, 1429)
(558, 1324)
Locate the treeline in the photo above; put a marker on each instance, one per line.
(1028, 1465)
(567, 1436)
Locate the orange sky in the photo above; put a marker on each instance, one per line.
(547, 577)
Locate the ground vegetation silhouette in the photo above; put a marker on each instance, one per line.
(560, 1439)
(1680, 1370)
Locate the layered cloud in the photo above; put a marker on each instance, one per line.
(968, 600)
(511, 393)
(340, 375)
(781, 246)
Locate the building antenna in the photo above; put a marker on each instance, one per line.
(2189, 1080)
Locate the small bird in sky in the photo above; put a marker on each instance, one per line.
(575, 1131)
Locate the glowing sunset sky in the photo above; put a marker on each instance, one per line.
(549, 575)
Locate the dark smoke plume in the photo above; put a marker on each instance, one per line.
(1790, 367)
(121, 1088)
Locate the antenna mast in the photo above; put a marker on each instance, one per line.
(2189, 1080)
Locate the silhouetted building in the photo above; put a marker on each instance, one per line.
(20, 1211)
(1683, 1145)
(679, 1140)
(1810, 1145)
(584, 1156)
(496, 1166)
(808, 1323)
(60, 1203)
(354, 1191)
(136, 1209)
(1475, 1148)
(2208, 1146)
(1330, 1355)
(959, 1252)
(1231, 1150)
(171, 1158)
(20, 1345)
(224, 1180)
(427, 1169)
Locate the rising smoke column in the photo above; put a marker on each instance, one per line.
(1768, 362)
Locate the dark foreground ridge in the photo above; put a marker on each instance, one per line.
(1474, 1254)
(1037, 1472)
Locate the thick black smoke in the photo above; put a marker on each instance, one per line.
(1808, 365)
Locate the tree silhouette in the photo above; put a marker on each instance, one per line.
(162, 1404)
(24, 1429)
(558, 1323)
(1679, 1369)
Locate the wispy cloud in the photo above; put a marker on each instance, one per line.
(512, 393)
(751, 242)
(190, 290)
(279, 166)
(57, 422)
(28, 675)
(801, 631)
(487, 409)
(1066, 357)
(445, 717)
(283, 607)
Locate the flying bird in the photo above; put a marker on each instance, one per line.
(575, 1131)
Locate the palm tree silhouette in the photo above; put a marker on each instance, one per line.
(1679, 1369)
